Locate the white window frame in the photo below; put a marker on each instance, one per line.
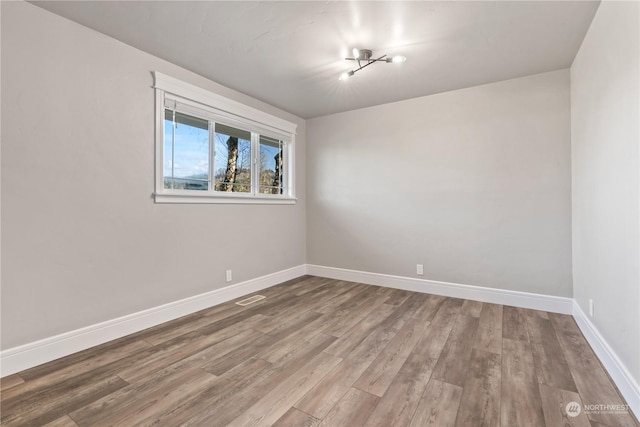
(218, 108)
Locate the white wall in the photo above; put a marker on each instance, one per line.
(83, 241)
(474, 184)
(605, 111)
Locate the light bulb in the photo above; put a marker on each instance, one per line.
(345, 76)
(399, 58)
(356, 53)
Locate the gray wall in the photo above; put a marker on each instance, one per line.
(605, 108)
(474, 184)
(83, 241)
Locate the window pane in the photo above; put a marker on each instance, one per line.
(232, 163)
(186, 152)
(271, 166)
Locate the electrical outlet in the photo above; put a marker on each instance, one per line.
(419, 270)
(591, 307)
(229, 275)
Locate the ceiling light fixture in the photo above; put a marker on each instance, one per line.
(366, 56)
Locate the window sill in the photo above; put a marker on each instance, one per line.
(214, 199)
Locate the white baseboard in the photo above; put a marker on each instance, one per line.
(29, 355)
(32, 354)
(478, 293)
(617, 370)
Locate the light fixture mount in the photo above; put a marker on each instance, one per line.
(366, 56)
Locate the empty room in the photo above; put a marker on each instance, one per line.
(320, 213)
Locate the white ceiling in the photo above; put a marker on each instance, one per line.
(290, 54)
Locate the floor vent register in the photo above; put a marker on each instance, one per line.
(251, 300)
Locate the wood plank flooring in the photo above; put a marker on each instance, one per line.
(321, 352)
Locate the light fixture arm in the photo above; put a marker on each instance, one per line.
(369, 62)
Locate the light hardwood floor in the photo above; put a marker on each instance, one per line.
(320, 352)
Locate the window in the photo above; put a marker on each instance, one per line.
(210, 149)
(186, 152)
(233, 159)
(271, 166)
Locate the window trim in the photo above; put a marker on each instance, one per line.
(232, 113)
